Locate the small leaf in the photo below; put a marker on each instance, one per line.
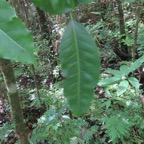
(134, 82)
(115, 72)
(108, 104)
(80, 65)
(107, 92)
(122, 87)
(109, 81)
(65, 117)
(124, 69)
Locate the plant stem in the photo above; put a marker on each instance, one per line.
(13, 96)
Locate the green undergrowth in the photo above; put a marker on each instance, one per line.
(115, 115)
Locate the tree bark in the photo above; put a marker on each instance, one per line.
(22, 10)
(9, 79)
(138, 13)
(43, 23)
(124, 47)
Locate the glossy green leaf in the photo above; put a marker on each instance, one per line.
(134, 82)
(16, 42)
(55, 6)
(81, 66)
(110, 81)
(122, 87)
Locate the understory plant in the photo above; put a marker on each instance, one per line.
(124, 112)
(123, 77)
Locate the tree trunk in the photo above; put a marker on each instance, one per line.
(138, 13)
(22, 10)
(124, 47)
(9, 78)
(43, 23)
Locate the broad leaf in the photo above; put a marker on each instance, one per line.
(81, 66)
(16, 42)
(124, 69)
(110, 81)
(122, 87)
(6, 11)
(55, 6)
(137, 64)
(134, 82)
(59, 6)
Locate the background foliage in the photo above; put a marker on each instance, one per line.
(116, 111)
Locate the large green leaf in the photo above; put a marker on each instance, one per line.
(16, 42)
(55, 6)
(59, 6)
(81, 66)
(6, 12)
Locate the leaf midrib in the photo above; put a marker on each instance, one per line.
(78, 63)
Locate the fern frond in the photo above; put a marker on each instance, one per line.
(116, 127)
